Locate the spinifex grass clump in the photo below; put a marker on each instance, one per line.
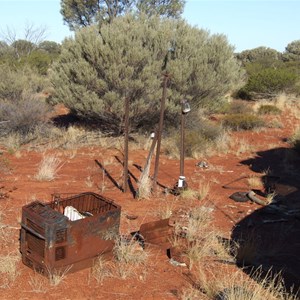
(8, 270)
(242, 122)
(225, 284)
(268, 109)
(101, 269)
(48, 168)
(129, 256)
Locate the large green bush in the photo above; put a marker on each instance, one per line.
(15, 82)
(101, 67)
(261, 55)
(268, 82)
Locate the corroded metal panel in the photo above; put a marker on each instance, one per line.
(51, 240)
(158, 233)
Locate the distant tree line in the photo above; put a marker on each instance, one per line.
(270, 72)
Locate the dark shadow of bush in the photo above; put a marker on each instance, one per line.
(269, 237)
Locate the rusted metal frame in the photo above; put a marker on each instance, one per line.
(66, 242)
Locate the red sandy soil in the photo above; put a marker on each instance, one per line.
(158, 279)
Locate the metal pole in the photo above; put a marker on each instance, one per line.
(182, 150)
(126, 137)
(185, 108)
(159, 132)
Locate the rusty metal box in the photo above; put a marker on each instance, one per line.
(50, 239)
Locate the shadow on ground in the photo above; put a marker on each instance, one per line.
(269, 238)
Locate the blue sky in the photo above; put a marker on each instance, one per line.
(246, 23)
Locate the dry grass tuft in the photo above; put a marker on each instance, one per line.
(170, 147)
(166, 209)
(144, 185)
(242, 146)
(48, 168)
(56, 276)
(189, 194)
(12, 142)
(203, 190)
(254, 182)
(8, 270)
(225, 284)
(198, 222)
(100, 270)
(129, 256)
(38, 283)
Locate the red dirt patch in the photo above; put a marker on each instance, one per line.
(159, 280)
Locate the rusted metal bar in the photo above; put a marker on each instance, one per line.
(126, 138)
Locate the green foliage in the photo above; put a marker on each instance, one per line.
(101, 67)
(27, 54)
(200, 134)
(261, 55)
(38, 60)
(17, 82)
(22, 47)
(269, 109)
(242, 121)
(194, 141)
(165, 8)
(270, 72)
(82, 13)
(239, 107)
(268, 82)
(198, 139)
(50, 47)
(292, 52)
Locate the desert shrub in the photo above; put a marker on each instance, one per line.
(268, 82)
(242, 121)
(23, 116)
(199, 136)
(268, 109)
(100, 68)
(292, 52)
(194, 141)
(239, 107)
(39, 60)
(14, 83)
(262, 55)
